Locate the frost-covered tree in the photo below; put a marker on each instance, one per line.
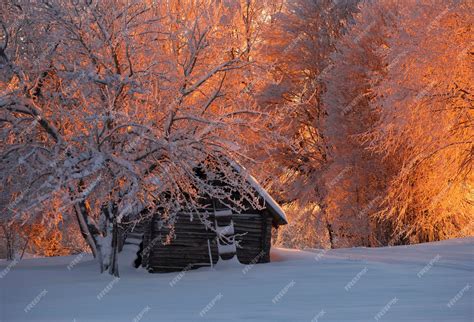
(296, 48)
(109, 107)
(354, 179)
(399, 124)
(424, 103)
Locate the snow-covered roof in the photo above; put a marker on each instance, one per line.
(270, 203)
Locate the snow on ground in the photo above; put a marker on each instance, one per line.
(427, 282)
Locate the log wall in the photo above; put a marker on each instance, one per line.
(255, 241)
(189, 249)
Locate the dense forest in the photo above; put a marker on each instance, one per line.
(356, 115)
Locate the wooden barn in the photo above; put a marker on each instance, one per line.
(246, 234)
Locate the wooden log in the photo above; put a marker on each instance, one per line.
(184, 226)
(250, 226)
(182, 250)
(165, 260)
(180, 263)
(241, 218)
(170, 269)
(178, 260)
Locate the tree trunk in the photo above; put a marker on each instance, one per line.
(10, 248)
(108, 246)
(113, 267)
(24, 248)
(103, 244)
(323, 210)
(88, 230)
(330, 232)
(9, 238)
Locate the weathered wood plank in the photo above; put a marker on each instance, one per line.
(190, 245)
